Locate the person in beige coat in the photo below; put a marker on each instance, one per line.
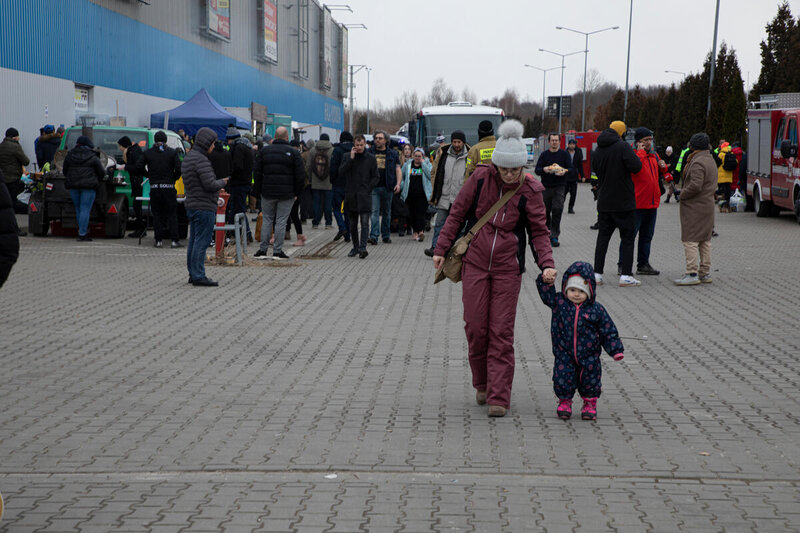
(697, 211)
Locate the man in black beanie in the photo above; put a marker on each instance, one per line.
(131, 154)
(481, 153)
(339, 183)
(162, 166)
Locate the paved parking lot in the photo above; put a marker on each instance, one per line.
(334, 394)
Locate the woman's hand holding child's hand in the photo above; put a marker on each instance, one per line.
(549, 275)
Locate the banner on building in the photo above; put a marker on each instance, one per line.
(218, 19)
(343, 61)
(269, 31)
(326, 44)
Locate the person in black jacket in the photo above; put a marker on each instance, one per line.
(162, 166)
(360, 171)
(83, 172)
(339, 183)
(242, 163)
(47, 145)
(280, 177)
(9, 240)
(576, 155)
(553, 166)
(131, 153)
(613, 162)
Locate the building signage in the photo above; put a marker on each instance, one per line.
(81, 100)
(343, 62)
(326, 66)
(258, 112)
(269, 25)
(219, 18)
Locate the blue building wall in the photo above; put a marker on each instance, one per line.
(80, 41)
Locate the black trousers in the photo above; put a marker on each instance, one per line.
(553, 207)
(572, 191)
(625, 221)
(136, 191)
(294, 218)
(164, 206)
(417, 209)
(359, 240)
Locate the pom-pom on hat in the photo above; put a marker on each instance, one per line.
(510, 150)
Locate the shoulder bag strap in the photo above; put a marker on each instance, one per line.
(492, 210)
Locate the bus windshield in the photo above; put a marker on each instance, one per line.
(432, 125)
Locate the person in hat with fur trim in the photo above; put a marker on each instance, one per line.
(580, 329)
(493, 265)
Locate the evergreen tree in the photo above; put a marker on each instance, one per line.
(779, 53)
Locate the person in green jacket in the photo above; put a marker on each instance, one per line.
(12, 163)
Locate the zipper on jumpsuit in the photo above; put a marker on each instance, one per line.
(575, 339)
(491, 254)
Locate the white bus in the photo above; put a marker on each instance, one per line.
(437, 120)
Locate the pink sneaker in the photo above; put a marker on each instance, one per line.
(589, 410)
(564, 410)
(301, 240)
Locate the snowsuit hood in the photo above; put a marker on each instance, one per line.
(585, 271)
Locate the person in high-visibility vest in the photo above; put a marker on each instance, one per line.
(481, 153)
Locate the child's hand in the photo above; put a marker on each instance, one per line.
(549, 275)
(618, 356)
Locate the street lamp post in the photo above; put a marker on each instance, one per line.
(561, 93)
(368, 71)
(353, 72)
(544, 83)
(585, 63)
(713, 60)
(676, 72)
(628, 67)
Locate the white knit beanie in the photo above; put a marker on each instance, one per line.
(510, 150)
(576, 281)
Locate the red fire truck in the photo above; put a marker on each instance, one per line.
(773, 168)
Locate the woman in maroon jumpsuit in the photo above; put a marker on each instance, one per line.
(493, 265)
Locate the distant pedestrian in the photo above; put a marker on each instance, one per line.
(671, 160)
(614, 161)
(12, 162)
(553, 166)
(318, 168)
(83, 173)
(448, 176)
(727, 164)
(648, 198)
(47, 146)
(306, 205)
(580, 329)
(388, 161)
(339, 184)
(481, 152)
(162, 166)
(9, 240)
(359, 171)
(416, 191)
(495, 261)
(131, 153)
(572, 177)
(242, 163)
(280, 179)
(202, 195)
(697, 211)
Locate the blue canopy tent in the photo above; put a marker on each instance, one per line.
(199, 111)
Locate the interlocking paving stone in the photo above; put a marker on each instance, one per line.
(131, 401)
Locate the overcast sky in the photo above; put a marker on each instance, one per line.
(483, 44)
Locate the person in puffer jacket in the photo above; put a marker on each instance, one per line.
(495, 261)
(580, 328)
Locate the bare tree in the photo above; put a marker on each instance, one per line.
(468, 95)
(441, 93)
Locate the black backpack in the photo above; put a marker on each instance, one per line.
(729, 161)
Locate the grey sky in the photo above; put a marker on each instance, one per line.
(484, 44)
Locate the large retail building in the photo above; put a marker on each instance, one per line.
(82, 61)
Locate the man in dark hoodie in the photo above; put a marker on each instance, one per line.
(131, 153)
(47, 146)
(242, 162)
(339, 183)
(9, 241)
(202, 193)
(83, 172)
(613, 162)
(162, 166)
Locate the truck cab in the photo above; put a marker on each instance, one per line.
(773, 168)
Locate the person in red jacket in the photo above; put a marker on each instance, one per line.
(648, 198)
(494, 263)
(739, 153)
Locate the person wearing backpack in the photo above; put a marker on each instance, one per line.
(725, 166)
(318, 167)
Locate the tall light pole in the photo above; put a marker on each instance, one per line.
(713, 60)
(353, 72)
(544, 83)
(585, 63)
(368, 71)
(628, 67)
(676, 72)
(561, 93)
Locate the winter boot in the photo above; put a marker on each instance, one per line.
(589, 410)
(564, 410)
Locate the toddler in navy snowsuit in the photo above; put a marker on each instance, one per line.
(580, 328)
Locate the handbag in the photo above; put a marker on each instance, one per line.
(451, 268)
